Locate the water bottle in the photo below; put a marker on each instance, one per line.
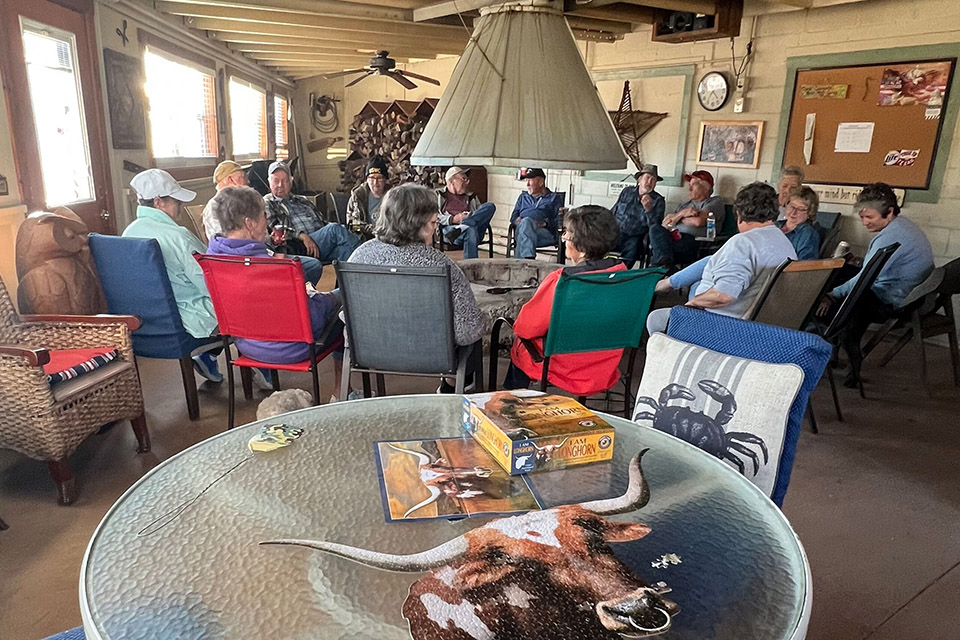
(711, 226)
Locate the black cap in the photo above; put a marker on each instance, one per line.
(377, 166)
(526, 174)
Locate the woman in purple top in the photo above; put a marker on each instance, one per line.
(243, 230)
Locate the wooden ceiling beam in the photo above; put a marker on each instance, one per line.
(320, 35)
(691, 6)
(262, 42)
(270, 58)
(254, 51)
(270, 16)
(317, 7)
(448, 8)
(617, 12)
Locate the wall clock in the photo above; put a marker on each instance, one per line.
(713, 91)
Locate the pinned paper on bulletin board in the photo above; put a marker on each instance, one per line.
(808, 137)
(824, 91)
(901, 158)
(854, 137)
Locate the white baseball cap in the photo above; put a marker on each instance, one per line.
(157, 183)
(452, 171)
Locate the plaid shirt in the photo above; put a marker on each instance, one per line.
(295, 213)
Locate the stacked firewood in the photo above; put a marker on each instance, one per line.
(390, 130)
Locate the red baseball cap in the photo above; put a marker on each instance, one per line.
(700, 175)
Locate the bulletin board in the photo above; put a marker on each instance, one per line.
(906, 103)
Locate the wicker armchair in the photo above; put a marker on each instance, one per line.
(48, 422)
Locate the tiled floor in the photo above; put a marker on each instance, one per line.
(875, 500)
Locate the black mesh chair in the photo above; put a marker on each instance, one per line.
(833, 333)
(399, 320)
(828, 226)
(337, 212)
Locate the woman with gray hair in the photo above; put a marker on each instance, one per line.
(801, 215)
(240, 211)
(404, 234)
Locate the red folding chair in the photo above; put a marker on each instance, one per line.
(264, 299)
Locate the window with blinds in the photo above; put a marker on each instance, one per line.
(280, 128)
(183, 110)
(248, 117)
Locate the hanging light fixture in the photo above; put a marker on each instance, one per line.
(520, 96)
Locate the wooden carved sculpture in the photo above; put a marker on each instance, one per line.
(54, 266)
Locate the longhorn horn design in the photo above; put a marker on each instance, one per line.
(636, 496)
(556, 446)
(414, 562)
(422, 461)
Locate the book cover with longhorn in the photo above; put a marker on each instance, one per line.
(527, 431)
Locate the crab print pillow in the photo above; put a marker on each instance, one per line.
(732, 408)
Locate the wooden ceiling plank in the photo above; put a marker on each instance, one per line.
(318, 7)
(618, 12)
(320, 34)
(449, 7)
(310, 20)
(255, 42)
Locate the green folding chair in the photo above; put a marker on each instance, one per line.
(591, 312)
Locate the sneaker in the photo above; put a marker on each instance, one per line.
(469, 385)
(206, 365)
(262, 380)
(453, 235)
(356, 394)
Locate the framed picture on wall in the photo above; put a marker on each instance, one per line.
(730, 143)
(126, 99)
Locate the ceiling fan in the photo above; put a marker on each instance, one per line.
(382, 64)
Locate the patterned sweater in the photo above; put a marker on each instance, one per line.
(468, 321)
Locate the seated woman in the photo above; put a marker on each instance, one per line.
(798, 225)
(243, 231)
(404, 232)
(591, 232)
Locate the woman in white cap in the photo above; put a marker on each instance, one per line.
(160, 197)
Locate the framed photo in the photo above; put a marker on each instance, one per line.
(730, 143)
(126, 99)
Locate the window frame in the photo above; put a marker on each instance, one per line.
(264, 152)
(184, 167)
(274, 137)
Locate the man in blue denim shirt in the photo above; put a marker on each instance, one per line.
(535, 214)
(636, 211)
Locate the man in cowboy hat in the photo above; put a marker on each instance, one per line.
(465, 221)
(636, 211)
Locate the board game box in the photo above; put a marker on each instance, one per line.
(527, 431)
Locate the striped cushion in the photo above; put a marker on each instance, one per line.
(66, 364)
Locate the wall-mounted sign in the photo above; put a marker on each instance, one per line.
(843, 194)
(4, 187)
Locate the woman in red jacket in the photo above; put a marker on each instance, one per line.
(590, 233)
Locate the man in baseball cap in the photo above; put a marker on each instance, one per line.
(363, 207)
(464, 220)
(227, 174)
(675, 241)
(160, 197)
(636, 211)
(535, 214)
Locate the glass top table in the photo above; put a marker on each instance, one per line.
(165, 563)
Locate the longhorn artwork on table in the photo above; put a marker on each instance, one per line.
(446, 478)
(544, 575)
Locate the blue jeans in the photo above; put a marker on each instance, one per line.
(477, 225)
(665, 251)
(630, 247)
(530, 236)
(334, 242)
(312, 269)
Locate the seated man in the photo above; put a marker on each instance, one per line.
(363, 207)
(675, 241)
(240, 211)
(636, 211)
(464, 220)
(160, 197)
(732, 278)
(296, 227)
(230, 174)
(907, 267)
(535, 214)
(791, 179)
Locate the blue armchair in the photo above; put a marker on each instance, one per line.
(766, 343)
(135, 282)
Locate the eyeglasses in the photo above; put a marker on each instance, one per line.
(793, 207)
(566, 236)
